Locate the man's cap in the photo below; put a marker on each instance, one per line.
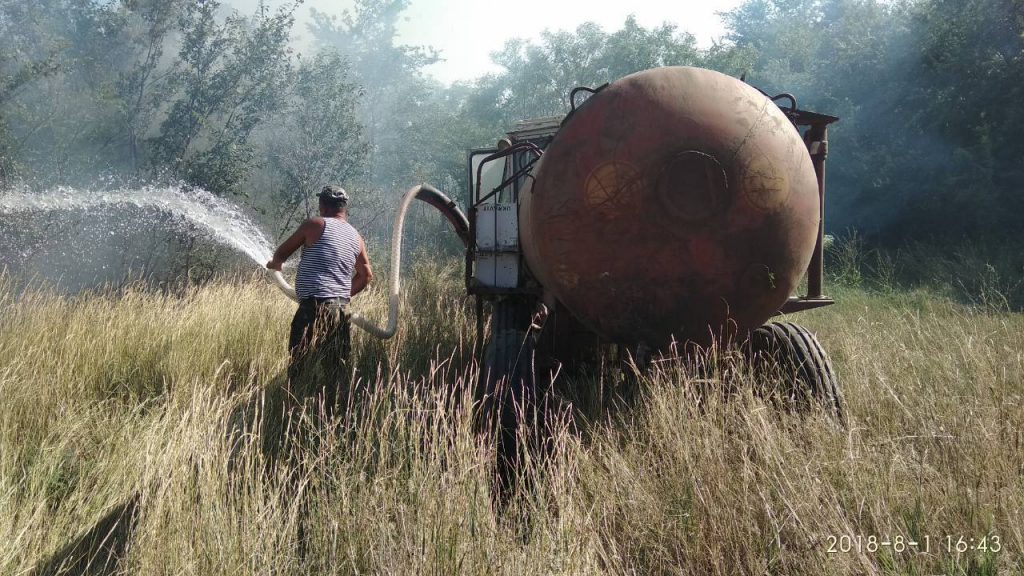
(334, 194)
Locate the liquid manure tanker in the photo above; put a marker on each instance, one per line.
(674, 207)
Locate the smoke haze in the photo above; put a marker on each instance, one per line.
(154, 93)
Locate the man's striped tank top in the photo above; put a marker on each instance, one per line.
(326, 268)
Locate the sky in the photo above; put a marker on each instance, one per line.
(467, 31)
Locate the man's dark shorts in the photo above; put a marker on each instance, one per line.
(319, 344)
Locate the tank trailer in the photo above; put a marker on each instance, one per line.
(674, 206)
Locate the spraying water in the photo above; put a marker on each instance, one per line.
(222, 220)
(227, 224)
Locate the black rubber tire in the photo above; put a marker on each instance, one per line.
(796, 353)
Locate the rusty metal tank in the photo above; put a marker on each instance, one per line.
(676, 204)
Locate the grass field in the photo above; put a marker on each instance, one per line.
(171, 399)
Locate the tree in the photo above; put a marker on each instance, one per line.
(319, 140)
(13, 76)
(971, 59)
(57, 50)
(927, 93)
(394, 86)
(229, 78)
(142, 85)
(538, 78)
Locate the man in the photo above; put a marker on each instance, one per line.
(334, 268)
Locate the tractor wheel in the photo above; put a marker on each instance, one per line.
(793, 352)
(508, 385)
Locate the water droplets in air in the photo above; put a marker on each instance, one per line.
(224, 221)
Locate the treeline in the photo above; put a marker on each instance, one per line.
(171, 89)
(929, 93)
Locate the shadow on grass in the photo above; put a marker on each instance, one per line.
(97, 551)
(100, 550)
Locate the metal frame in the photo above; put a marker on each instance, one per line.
(510, 151)
(472, 204)
(477, 198)
(816, 139)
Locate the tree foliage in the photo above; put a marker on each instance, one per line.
(146, 88)
(537, 78)
(397, 107)
(231, 75)
(318, 139)
(928, 92)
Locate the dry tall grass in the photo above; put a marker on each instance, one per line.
(110, 395)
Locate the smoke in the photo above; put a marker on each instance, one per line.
(928, 141)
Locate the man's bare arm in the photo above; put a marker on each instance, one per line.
(363, 272)
(292, 243)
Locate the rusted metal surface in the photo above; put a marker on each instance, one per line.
(816, 140)
(676, 203)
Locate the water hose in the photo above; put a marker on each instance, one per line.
(283, 284)
(431, 196)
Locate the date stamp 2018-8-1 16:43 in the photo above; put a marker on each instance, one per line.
(924, 544)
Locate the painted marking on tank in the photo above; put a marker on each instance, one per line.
(567, 278)
(765, 187)
(612, 187)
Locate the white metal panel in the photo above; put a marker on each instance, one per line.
(508, 227)
(497, 227)
(507, 272)
(497, 269)
(486, 227)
